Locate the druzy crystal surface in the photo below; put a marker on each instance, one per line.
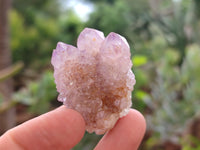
(95, 78)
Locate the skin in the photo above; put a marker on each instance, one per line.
(63, 128)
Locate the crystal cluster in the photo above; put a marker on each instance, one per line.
(95, 78)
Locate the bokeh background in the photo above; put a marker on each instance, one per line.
(164, 36)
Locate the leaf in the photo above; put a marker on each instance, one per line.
(139, 60)
(140, 94)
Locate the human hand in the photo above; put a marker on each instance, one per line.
(63, 128)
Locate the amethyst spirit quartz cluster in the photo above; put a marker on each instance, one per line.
(95, 78)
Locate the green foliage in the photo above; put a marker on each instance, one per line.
(26, 42)
(106, 18)
(71, 25)
(37, 38)
(105, 1)
(190, 143)
(128, 18)
(139, 60)
(174, 96)
(88, 142)
(31, 9)
(38, 94)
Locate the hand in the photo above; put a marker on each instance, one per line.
(63, 128)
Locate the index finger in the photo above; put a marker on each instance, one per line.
(59, 129)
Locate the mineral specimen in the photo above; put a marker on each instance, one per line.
(95, 78)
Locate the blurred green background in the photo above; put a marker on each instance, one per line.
(164, 36)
